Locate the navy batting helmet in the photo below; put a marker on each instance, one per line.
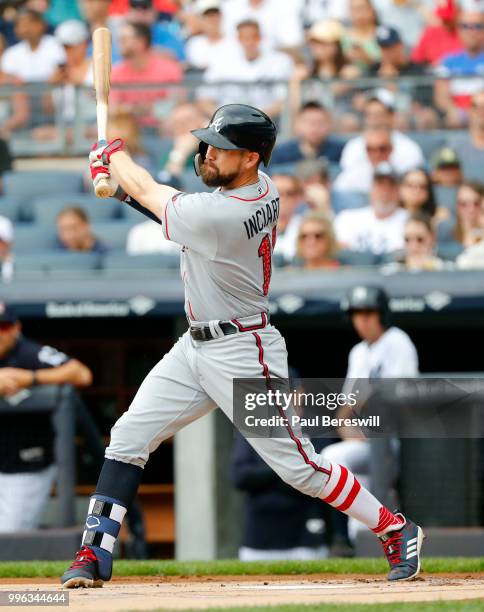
(365, 297)
(237, 127)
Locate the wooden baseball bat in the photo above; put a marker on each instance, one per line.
(101, 58)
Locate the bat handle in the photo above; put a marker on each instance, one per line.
(103, 188)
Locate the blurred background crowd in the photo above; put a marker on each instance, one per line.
(379, 104)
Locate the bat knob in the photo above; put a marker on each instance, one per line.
(104, 189)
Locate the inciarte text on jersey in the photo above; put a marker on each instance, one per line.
(265, 215)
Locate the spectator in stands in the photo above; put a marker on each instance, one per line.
(124, 125)
(473, 256)
(416, 193)
(314, 177)
(446, 168)
(38, 55)
(316, 243)
(203, 48)
(75, 232)
(183, 118)
(380, 142)
(471, 145)
(408, 16)
(76, 72)
(313, 141)
(453, 97)
(5, 160)
(379, 227)
(441, 39)
(420, 240)
(468, 223)
(96, 14)
(327, 61)
(395, 62)
(166, 35)
(27, 469)
(279, 22)
(15, 107)
(141, 65)
(359, 43)
(148, 237)
(6, 255)
(315, 10)
(291, 209)
(394, 59)
(248, 64)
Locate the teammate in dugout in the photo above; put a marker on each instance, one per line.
(228, 237)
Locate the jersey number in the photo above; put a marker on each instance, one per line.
(265, 251)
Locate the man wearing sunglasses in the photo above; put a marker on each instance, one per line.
(462, 70)
(27, 469)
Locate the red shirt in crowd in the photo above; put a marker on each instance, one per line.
(159, 69)
(120, 7)
(435, 43)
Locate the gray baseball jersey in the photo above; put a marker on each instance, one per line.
(228, 237)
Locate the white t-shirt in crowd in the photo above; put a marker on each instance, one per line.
(393, 355)
(34, 66)
(357, 171)
(359, 229)
(148, 237)
(201, 52)
(315, 10)
(279, 20)
(234, 66)
(286, 243)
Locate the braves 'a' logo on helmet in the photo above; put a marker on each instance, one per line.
(217, 124)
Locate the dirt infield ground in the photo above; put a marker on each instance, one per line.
(180, 593)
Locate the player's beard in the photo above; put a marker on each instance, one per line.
(212, 177)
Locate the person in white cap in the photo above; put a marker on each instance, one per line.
(76, 71)
(6, 242)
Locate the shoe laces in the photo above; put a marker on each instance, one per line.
(392, 545)
(83, 556)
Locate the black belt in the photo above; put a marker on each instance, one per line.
(227, 327)
(204, 333)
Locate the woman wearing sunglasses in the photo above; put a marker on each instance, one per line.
(420, 243)
(316, 243)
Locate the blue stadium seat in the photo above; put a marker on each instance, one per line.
(429, 142)
(30, 237)
(357, 258)
(118, 261)
(9, 208)
(445, 231)
(56, 261)
(345, 200)
(46, 208)
(25, 185)
(449, 250)
(113, 233)
(446, 196)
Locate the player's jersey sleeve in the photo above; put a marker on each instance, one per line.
(190, 220)
(34, 356)
(404, 359)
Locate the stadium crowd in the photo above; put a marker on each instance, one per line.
(380, 105)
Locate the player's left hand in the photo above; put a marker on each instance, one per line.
(99, 160)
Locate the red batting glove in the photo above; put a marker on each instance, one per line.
(100, 158)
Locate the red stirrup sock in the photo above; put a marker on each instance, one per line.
(345, 493)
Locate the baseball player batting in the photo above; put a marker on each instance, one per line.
(227, 237)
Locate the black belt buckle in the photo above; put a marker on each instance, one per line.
(200, 333)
